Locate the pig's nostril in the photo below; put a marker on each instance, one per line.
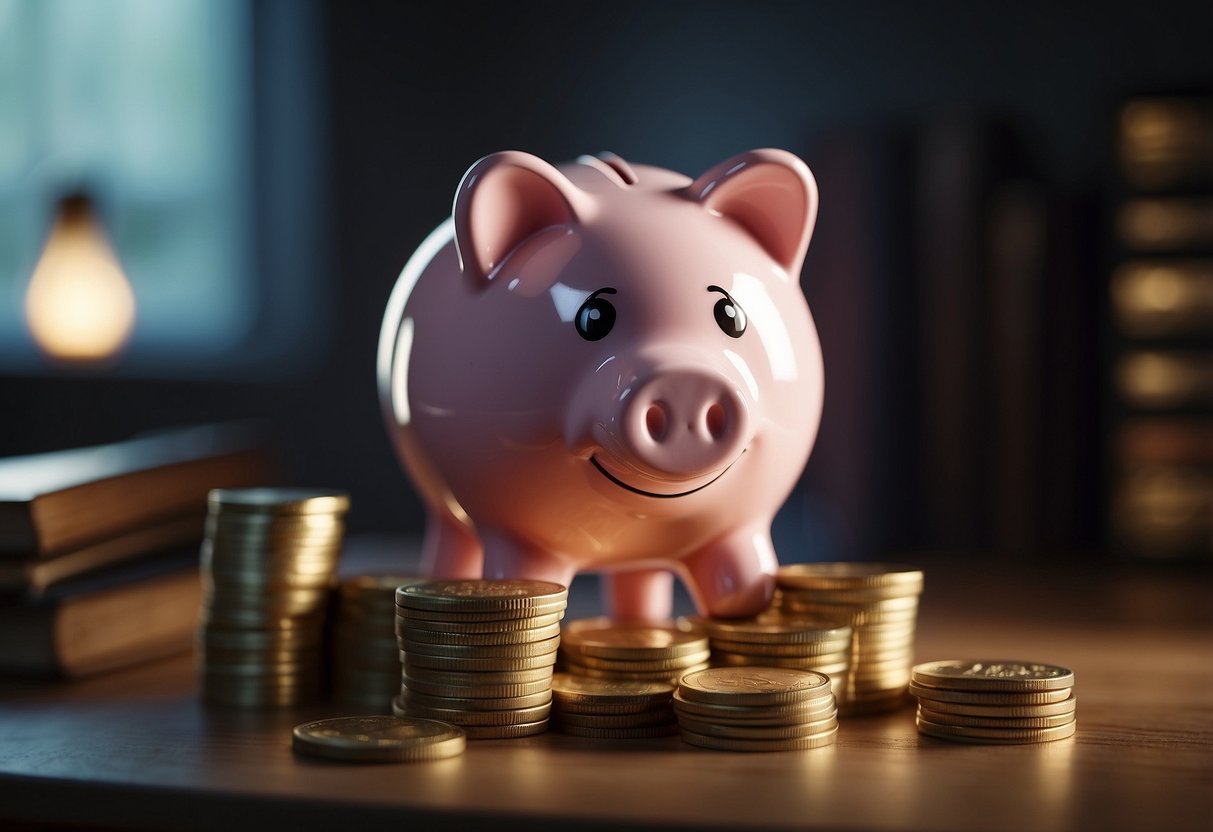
(655, 421)
(716, 421)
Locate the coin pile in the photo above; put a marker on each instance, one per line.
(994, 702)
(479, 654)
(609, 709)
(880, 603)
(602, 649)
(366, 657)
(378, 739)
(772, 640)
(268, 562)
(756, 709)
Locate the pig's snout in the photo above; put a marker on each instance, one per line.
(685, 423)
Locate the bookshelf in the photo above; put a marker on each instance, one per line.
(1160, 302)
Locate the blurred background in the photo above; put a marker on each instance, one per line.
(1012, 272)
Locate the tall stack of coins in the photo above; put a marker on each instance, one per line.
(268, 561)
(756, 709)
(880, 603)
(774, 641)
(366, 657)
(608, 709)
(479, 654)
(995, 702)
(602, 649)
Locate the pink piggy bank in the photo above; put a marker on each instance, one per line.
(609, 367)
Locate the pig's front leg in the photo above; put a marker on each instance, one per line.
(506, 557)
(734, 576)
(451, 549)
(642, 595)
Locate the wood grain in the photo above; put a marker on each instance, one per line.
(137, 749)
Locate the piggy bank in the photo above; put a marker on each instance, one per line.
(609, 367)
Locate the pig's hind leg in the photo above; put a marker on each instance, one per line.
(734, 576)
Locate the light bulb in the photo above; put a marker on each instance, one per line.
(79, 305)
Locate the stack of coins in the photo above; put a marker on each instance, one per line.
(602, 649)
(880, 603)
(995, 702)
(268, 562)
(479, 654)
(366, 657)
(608, 709)
(756, 709)
(774, 641)
(378, 739)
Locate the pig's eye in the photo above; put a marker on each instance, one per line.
(729, 316)
(596, 316)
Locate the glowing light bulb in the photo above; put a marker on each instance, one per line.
(79, 305)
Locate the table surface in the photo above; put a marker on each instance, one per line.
(137, 749)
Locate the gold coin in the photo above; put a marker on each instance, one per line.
(482, 651)
(506, 732)
(993, 675)
(752, 685)
(486, 732)
(849, 576)
(456, 716)
(722, 659)
(456, 624)
(413, 697)
(635, 642)
(776, 629)
(220, 638)
(758, 732)
(959, 720)
(667, 729)
(672, 676)
(276, 501)
(580, 691)
(455, 678)
(505, 619)
(1066, 706)
(1042, 697)
(378, 739)
(998, 736)
(834, 604)
(490, 691)
(482, 596)
(666, 665)
(778, 714)
(662, 716)
(791, 744)
(469, 665)
(803, 650)
(531, 634)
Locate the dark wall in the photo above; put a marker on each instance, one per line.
(416, 92)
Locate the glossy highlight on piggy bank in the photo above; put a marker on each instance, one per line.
(609, 367)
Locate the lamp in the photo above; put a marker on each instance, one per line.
(79, 305)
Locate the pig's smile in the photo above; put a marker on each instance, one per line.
(644, 493)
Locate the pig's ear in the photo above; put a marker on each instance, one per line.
(771, 194)
(504, 199)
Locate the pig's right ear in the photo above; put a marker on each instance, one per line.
(504, 199)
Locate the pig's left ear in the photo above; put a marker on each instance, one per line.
(771, 194)
(503, 200)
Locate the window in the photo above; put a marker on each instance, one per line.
(147, 106)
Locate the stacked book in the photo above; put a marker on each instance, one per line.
(99, 547)
(1161, 304)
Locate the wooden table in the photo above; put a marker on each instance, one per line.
(137, 749)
